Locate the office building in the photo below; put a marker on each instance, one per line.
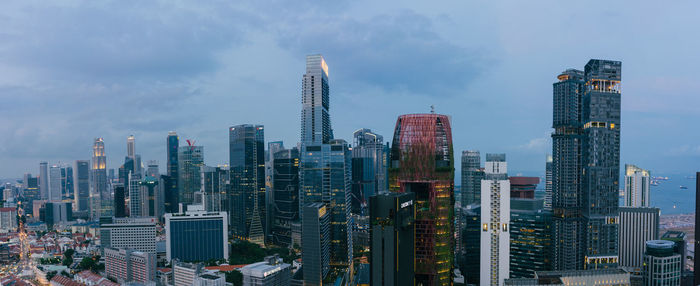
(637, 226)
(215, 186)
(637, 186)
(81, 186)
(128, 233)
(662, 266)
(119, 200)
(604, 277)
(247, 168)
(472, 174)
(285, 193)
(171, 186)
(100, 194)
(184, 274)
(680, 243)
(315, 247)
(495, 221)
(190, 160)
(422, 163)
(325, 177)
(44, 180)
(271, 272)
(470, 260)
(315, 98)
(548, 183)
(150, 205)
(523, 187)
(391, 246)
(8, 219)
(368, 168)
(530, 238)
(53, 213)
(696, 258)
(66, 181)
(196, 236)
(54, 194)
(134, 197)
(128, 265)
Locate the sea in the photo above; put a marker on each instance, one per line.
(670, 198)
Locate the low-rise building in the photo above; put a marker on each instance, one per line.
(271, 272)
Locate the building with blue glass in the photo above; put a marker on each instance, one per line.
(196, 236)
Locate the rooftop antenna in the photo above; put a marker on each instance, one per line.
(432, 109)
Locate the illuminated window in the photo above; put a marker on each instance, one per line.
(505, 227)
(485, 227)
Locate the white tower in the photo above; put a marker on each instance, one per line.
(495, 221)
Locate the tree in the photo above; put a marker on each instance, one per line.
(68, 257)
(234, 277)
(50, 275)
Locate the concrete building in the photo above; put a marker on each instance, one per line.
(662, 266)
(184, 274)
(637, 186)
(392, 244)
(315, 97)
(271, 272)
(8, 219)
(548, 184)
(637, 226)
(129, 233)
(100, 194)
(128, 265)
(495, 221)
(196, 236)
(55, 177)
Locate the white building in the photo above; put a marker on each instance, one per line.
(184, 274)
(637, 226)
(271, 272)
(495, 220)
(129, 233)
(126, 265)
(54, 184)
(637, 186)
(8, 219)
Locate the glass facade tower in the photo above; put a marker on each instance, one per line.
(247, 169)
(190, 159)
(171, 186)
(368, 168)
(315, 98)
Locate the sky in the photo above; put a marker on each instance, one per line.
(74, 70)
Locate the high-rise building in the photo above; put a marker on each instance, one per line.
(44, 180)
(495, 220)
(661, 265)
(422, 163)
(215, 185)
(99, 192)
(472, 174)
(285, 193)
(315, 246)
(56, 212)
(134, 196)
(131, 146)
(190, 160)
(66, 181)
(272, 148)
(548, 183)
(637, 226)
(128, 233)
(171, 186)
(523, 187)
(368, 168)
(119, 200)
(149, 206)
(81, 192)
(247, 168)
(271, 272)
(315, 98)
(530, 238)
(586, 163)
(601, 161)
(680, 243)
(567, 195)
(392, 227)
(637, 186)
(54, 194)
(196, 236)
(696, 258)
(128, 265)
(470, 260)
(325, 177)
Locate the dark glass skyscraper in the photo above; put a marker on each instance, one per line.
(530, 238)
(190, 159)
(472, 174)
(171, 186)
(247, 167)
(285, 202)
(368, 168)
(422, 163)
(81, 194)
(392, 226)
(585, 167)
(315, 248)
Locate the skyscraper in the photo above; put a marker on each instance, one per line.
(196, 236)
(422, 163)
(315, 247)
(285, 193)
(472, 174)
(392, 227)
(100, 193)
(325, 177)
(247, 168)
(661, 265)
(548, 184)
(215, 185)
(315, 98)
(119, 200)
(696, 258)
(566, 171)
(637, 226)
(637, 186)
(131, 147)
(171, 186)
(81, 192)
(55, 184)
(190, 159)
(601, 161)
(530, 238)
(368, 168)
(44, 180)
(495, 220)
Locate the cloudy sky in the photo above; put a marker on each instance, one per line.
(76, 70)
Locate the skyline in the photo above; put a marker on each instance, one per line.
(213, 83)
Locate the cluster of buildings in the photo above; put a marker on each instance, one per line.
(327, 197)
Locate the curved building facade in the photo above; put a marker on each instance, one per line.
(422, 162)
